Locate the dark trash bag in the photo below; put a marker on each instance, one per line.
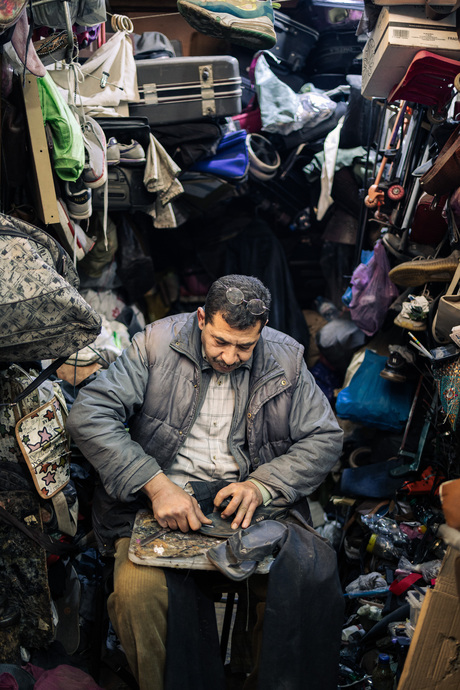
(189, 142)
(134, 264)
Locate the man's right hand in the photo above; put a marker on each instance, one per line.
(172, 506)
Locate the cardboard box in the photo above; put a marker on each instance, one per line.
(432, 662)
(398, 36)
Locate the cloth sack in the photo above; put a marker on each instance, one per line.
(448, 312)
(373, 401)
(42, 314)
(115, 58)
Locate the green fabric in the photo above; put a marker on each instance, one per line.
(68, 152)
(346, 158)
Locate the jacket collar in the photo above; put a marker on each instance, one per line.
(188, 341)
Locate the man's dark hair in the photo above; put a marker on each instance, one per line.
(237, 315)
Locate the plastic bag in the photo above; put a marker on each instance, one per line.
(281, 109)
(371, 400)
(372, 291)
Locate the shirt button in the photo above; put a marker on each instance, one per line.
(255, 461)
(180, 433)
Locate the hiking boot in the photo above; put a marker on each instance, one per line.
(421, 271)
(95, 170)
(78, 199)
(244, 22)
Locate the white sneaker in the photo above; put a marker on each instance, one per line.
(77, 241)
(95, 171)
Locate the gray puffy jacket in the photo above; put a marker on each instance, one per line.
(131, 420)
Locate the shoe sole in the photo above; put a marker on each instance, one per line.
(390, 376)
(79, 216)
(260, 36)
(409, 324)
(414, 273)
(95, 183)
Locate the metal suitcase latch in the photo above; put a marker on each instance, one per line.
(208, 104)
(150, 94)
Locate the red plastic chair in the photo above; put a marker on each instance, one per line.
(429, 80)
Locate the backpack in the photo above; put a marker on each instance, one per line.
(42, 314)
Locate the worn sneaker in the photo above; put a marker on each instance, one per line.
(132, 153)
(76, 241)
(414, 313)
(126, 154)
(398, 365)
(78, 199)
(113, 151)
(421, 271)
(95, 170)
(244, 22)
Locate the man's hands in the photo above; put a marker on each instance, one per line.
(172, 506)
(245, 499)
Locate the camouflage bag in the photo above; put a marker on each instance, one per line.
(42, 314)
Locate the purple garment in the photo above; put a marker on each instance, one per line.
(63, 677)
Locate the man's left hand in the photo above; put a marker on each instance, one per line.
(245, 499)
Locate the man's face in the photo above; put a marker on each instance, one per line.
(226, 348)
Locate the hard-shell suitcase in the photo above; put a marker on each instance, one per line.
(187, 88)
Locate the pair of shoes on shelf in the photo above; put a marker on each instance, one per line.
(126, 154)
(245, 22)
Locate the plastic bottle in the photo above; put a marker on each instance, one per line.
(383, 547)
(382, 675)
(385, 526)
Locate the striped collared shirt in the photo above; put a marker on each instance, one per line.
(205, 453)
